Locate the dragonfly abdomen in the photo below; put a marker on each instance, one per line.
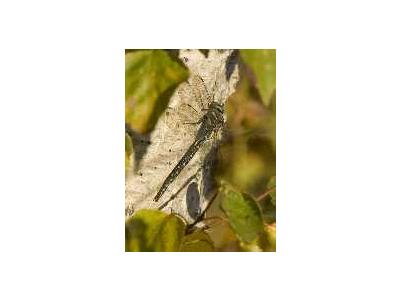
(194, 147)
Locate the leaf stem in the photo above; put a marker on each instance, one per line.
(263, 195)
(199, 218)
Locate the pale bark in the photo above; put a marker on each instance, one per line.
(189, 194)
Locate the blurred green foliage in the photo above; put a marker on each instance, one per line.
(243, 216)
(251, 127)
(153, 230)
(247, 157)
(151, 77)
(263, 65)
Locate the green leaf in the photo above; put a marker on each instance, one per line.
(141, 230)
(170, 235)
(153, 230)
(243, 214)
(271, 236)
(198, 241)
(263, 65)
(151, 77)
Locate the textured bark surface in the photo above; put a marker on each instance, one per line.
(157, 154)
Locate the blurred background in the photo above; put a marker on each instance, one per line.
(247, 157)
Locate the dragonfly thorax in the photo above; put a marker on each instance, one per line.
(215, 115)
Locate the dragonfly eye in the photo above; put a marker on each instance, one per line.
(220, 108)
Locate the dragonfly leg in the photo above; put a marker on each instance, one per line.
(194, 123)
(191, 107)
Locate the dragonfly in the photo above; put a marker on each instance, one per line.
(211, 121)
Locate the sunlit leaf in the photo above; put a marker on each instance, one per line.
(151, 77)
(170, 234)
(243, 214)
(271, 236)
(153, 230)
(263, 65)
(198, 241)
(141, 230)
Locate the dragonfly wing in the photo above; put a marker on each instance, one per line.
(200, 91)
(187, 112)
(183, 117)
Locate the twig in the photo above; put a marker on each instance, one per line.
(218, 221)
(265, 194)
(199, 218)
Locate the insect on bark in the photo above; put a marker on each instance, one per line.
(211, 121)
